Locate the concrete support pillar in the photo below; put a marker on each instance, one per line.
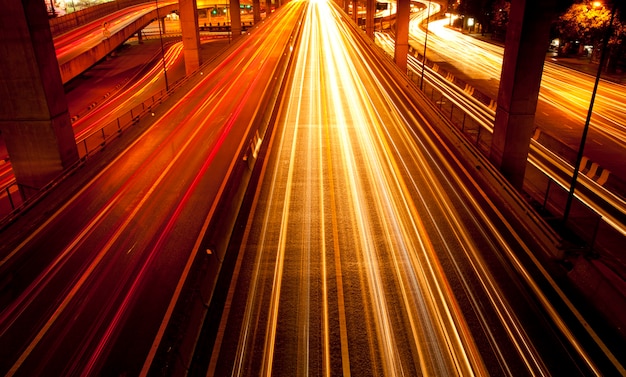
(527, 40)
(370, 12)
(346, 6)
(191, 34)
(162, 24)
(235, 18)
(256, 11)
(355, 13)
(140, 37)
(34, 119)
(402, 33)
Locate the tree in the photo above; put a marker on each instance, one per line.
(584, 22)
(471, 9)
(587, 22)
(500, 18)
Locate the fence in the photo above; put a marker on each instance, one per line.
(586, 231)
(11, 201)
(467, 124)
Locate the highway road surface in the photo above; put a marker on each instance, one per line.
(369, 251)
(86, 283)
(564, 96)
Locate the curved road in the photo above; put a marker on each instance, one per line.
(564, 97)
(85, 37)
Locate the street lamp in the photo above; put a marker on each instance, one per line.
(579, 157)
(425, 42)
(167, 87)
(51, 10)
(230, 27)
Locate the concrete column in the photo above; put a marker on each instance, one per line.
(162, 23)
(355, 13)
(402, 33)
(527, 40)
(34, 119)
(235, 18)
(140, 37)
(191, 34)
(370, 12)
(256, 11)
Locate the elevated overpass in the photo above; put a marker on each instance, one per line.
(81, 48)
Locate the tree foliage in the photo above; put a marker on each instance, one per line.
(500, 17)
(588, 23)
(581, 20)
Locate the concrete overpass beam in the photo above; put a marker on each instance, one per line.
(191, 34)
(34, 119)
(402, 33)
(527, 40)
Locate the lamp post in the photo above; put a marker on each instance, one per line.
(51, 10)
(230, 27)
(425, 42)
(167, 87)
(579, 157)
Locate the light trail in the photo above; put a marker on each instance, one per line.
(369, 251)
(564, 88)
(398, 221)
(483, 62)
(132, 95)
(37, 286)
(142, 207)
(75, 42)
(376, 218)
(484, 116)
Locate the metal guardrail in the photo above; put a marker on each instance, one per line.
(590, 232)
(92, 143)
(95, 141)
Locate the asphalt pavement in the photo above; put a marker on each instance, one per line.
(601, 274)
(96, 85)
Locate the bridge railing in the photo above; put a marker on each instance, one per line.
(12, 203)
(589, 233)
